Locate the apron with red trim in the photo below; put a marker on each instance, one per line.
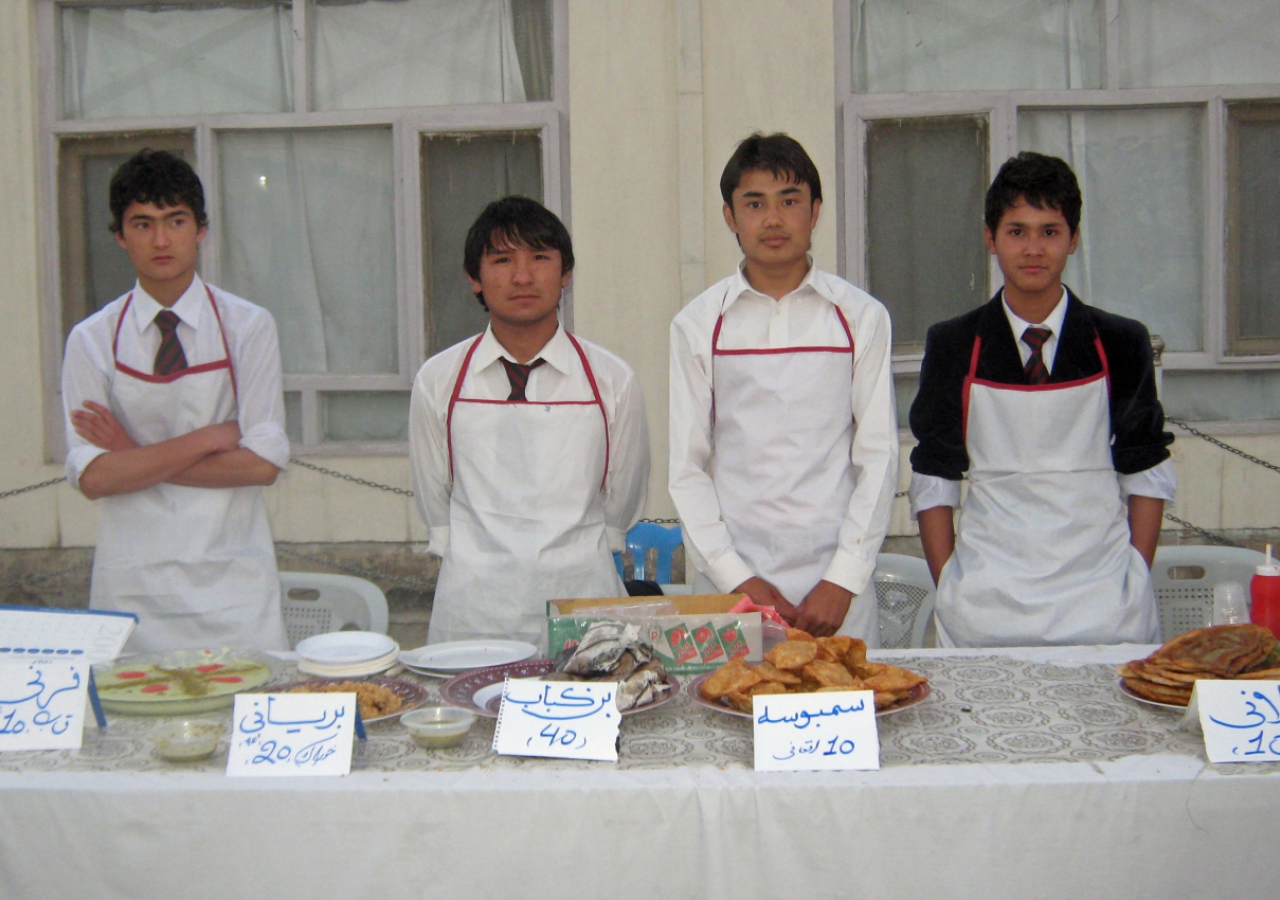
(526, 513)
(1042, 550)
(783, 432)
(197, 565)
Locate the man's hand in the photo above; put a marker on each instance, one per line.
(762, 593)
(96, 424)
(822, 611)
(224, 437)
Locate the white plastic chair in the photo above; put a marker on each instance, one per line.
(317, 603)
(904, 594)
(1183, 578)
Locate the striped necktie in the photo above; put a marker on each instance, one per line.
(518, 375)
(1034, 338)
(169, 358)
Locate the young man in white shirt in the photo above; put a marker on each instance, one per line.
(175, 422)
(529, 446)
(784, 442)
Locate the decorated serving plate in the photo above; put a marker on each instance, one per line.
(181, 681)
(411, 695)
(456, 657)
(919, 694)
(481, 691)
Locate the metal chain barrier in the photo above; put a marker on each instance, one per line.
(32, 487)
(353, 479)
(370, 574)
(1217, 443)
(1203, 532)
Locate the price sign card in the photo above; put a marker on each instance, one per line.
(1240, 719)
(292, 734)
(561, 719)
(42, 705)
(803, 732)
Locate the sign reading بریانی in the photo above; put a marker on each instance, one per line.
(292, 734)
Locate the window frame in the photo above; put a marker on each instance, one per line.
(408, 125)
(854, 110)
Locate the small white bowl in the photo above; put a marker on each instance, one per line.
(188, 740)
(438, 726)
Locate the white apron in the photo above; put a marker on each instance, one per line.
(1042, 552)
(782, 430)
(197, 565)
(526, 513)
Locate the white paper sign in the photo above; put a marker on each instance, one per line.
(561, 719)
(28, 633)
(292, 734)
(1240, 719)
(802, 732)
(42, 705)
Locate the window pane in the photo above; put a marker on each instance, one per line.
(1172, 43)
(94, 270)
(382, 53)
(293, 417)
(1254, 229)
(972, 45)
(1142, 233)
(905, 388)
(926, 179)
(366, 416)
(165, 60)
(460, 176)
(309, 233)
(1221, 396)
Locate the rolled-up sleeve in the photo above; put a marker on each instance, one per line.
(627, 483)
(260, 391)
(429, 454)
(84, 377)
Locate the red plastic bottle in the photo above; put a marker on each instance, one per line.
(1264, 592)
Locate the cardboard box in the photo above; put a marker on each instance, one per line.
(702, 637)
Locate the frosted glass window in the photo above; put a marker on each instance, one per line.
(926, 179)
(976, 45)
(1142, 229)
(1253, 250)
(167, 60)
(1221, 396)
(460, 177)
(309, 233)
(1177, 43)
(386, 53)
(366, 416)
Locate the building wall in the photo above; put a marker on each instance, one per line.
(660, 91)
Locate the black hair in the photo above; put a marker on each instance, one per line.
(778, 154)
(515, 222)
(159, 177)
(1039, 180)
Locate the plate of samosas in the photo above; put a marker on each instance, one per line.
(1165, 678)
(805, 664)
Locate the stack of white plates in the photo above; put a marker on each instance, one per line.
(447, 660)
(347, 654)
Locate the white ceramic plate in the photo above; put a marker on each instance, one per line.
(463, 656)
(351, 670)
(343, 648)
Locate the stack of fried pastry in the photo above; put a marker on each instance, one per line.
(1220, 652)
(805, 664)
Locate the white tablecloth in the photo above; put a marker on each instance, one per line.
(1025, 775)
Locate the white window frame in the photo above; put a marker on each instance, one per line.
(549, 119)
(855, 110)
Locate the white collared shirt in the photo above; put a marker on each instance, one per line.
(800, 319)
(88, 367)
(561, 378)
(1160, 482)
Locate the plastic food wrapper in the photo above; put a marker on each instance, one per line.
(690, 633)
(773, 628)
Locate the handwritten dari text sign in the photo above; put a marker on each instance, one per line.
(292, 734)
(801, 732)
(42, 705)
(561, 719)
(1240, 720)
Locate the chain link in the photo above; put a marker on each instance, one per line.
(32, 487)
(1217, 443)
(371, 574)
(1203, 532)
(353, 479)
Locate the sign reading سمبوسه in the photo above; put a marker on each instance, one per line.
(1240, 719)
(291, 734)
(559, 719)
(804, 732)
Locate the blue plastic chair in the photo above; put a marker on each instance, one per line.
(640, 539)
